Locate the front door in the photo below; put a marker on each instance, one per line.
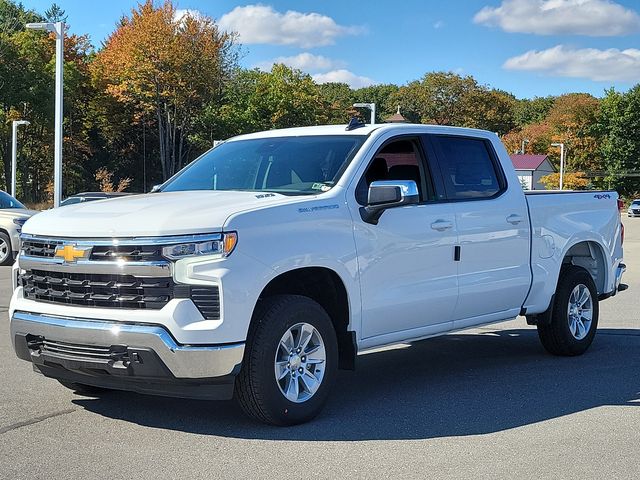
(408, 275)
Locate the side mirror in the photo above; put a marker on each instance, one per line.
(385, 194)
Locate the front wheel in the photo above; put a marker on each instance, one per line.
(6, 253)
(574, 319)
(291, 361)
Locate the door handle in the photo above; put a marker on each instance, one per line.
(514, 219)
(441, 225)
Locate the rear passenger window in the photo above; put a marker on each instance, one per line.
(467, 167)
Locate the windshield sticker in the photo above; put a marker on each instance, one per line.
(317, 208)
(320, 186)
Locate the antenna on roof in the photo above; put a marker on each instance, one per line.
(354, 123)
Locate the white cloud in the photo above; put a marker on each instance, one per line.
(596, 18)
(180, 13)
(344, 76)
(304, 61)
(262, 24)
(600, 65)
(439, 24)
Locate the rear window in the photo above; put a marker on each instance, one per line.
(468, 168)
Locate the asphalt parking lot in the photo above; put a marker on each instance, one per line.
(489, 403)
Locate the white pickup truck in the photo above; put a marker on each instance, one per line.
(267, 264)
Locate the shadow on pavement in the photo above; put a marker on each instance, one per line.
(448, 386)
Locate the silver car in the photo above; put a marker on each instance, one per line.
(634, 209)
(12, 216)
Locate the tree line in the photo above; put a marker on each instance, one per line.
(162, 88)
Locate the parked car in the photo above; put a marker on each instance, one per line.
(90, 196)
(634, 209)
(13, 214)
(275, 258)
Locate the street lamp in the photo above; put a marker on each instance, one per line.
(58, 29)
(14, 154)
(370, 106)
(524, 142)
(561, 145)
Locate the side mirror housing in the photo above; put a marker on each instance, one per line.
(385, 194)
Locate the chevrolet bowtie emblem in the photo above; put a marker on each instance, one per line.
(71, 253)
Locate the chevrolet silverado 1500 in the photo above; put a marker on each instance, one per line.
(273, 259)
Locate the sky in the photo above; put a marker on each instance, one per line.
(526, 47)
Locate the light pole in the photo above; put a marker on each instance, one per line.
(561, 145)
(370, 106)
(524, 142)
(58, 29)
(14, 154)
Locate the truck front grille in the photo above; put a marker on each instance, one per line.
(46, 248)
(40, 248)
(97, 290)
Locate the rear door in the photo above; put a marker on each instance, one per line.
(493, 230)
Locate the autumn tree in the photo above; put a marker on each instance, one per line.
(570, 181)
(573, 121)
(166, 67)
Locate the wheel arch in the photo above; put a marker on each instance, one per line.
(589, 254)
(327, 288)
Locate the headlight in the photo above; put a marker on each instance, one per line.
(20, 220)
(222, 247)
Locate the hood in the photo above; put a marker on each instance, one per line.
(16, 212)
(154, 214)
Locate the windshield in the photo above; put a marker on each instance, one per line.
(635, 203)
(287, 165)
(7, 201)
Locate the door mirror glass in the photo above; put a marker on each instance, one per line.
(385, 194)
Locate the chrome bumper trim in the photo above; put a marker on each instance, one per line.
(139, 269)
(184, 361)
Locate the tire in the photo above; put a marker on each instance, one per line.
(6, 253)
(260, 394)
(570, 332)
(82, 389)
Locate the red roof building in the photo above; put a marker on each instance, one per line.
(530, 168)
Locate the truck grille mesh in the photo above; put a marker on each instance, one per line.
(97, 290)
(116, 291)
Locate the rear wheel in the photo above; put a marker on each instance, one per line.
(574, 319)
(290, 363)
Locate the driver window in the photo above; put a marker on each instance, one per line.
(397, 160)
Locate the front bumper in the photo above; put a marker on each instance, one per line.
(126, 356)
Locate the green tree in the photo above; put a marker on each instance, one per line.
(339, 100)
(620, 146)
(535, 110)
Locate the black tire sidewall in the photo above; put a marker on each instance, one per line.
(9, 259)
(572, 277)
(283, 313)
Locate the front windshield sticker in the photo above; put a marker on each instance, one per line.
(317, 208)
(320, 186)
